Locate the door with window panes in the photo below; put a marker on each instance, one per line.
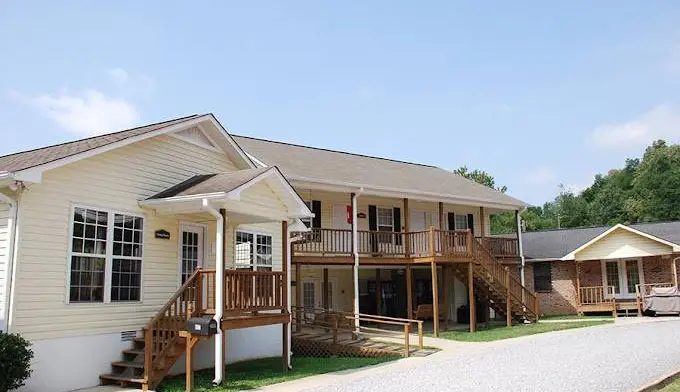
(192, 250)
(623, 275)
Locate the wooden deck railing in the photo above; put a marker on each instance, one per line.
(595, 295)
(337, 323)
(338, 242)
(500, 246)
(253, 291)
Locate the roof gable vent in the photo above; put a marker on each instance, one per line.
(197, 137)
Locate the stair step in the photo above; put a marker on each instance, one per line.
(129, 364)
(121, 379)
(134, 351)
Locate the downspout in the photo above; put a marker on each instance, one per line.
(289, 283)
(355, 252)
(12, 229)
(219, 288)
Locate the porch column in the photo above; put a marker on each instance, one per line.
(471, 295)
(674, 270)
(482, 222)
(578, 287)
(324, 287)
(409, 291)
(407, 218)
(378, 292)
(435, 299)
(355, 252)
(285, 260)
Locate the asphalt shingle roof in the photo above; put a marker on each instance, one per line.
(211, 183)
(27, 159)
(554, 244)
(322, 164)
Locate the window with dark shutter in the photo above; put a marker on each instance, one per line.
(543, 276)
(396, 211)
(451, 217)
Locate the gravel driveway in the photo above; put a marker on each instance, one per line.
(620, 357)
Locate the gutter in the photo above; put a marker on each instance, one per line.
(10, 271)
(219, 288)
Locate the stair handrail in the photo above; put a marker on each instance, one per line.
(497, 272)
(168, 329)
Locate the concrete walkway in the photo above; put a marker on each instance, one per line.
(613, 357)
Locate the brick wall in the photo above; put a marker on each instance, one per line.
(562, 298)
(657, 270)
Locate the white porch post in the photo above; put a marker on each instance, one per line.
(219, 289)
(518, 218)
(11, 227)
(355, 251)
(288, 261)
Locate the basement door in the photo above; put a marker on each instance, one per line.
(191, 250)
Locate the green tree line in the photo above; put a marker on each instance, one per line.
(645, 189)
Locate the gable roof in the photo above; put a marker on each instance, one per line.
(30, 164)
(28, 159)
(556, 244)
(317, 165)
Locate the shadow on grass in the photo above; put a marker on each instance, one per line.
(260, 372)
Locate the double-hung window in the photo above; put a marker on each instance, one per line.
(253, 251)
(385, 221)
(106, 256)
(543, 276)
(461, 222)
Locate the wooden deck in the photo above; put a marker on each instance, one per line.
(593, 299)
(334, 246)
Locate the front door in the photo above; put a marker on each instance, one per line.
(623, 275)
(340, 212)
(191, 248)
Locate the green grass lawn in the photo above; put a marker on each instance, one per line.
(502, 332)
(577, 317)
(267, 371)
(672, 387)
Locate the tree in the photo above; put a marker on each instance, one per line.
(15, 361)
(657, 184)
(480, 177)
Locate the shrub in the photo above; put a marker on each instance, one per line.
(15, 361)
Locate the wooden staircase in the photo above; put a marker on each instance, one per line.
(152, 356)
(495, 285)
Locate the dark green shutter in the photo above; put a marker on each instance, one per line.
(373, 226)
(396, 212)
(316, 209)
(471, 223)
(452, 221)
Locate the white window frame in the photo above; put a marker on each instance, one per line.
(108, 256)
(455, 219)
(253, 264)
(377, 218)
(623, 276)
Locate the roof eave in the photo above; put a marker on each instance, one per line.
(400, 193)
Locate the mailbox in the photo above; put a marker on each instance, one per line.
(202, 326)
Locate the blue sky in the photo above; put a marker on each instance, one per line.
(537, 94)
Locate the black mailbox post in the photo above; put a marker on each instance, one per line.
(202, 326)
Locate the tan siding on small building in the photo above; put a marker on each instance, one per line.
(622, 243)
(113, 180)
(4, 260)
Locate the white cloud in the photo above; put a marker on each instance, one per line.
(540, 176)
(662, 122)
(89, 113)
(119, 75)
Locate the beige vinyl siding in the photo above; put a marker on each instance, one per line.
(112, 180)
(328, 199)
(622, 243)
(4, 261)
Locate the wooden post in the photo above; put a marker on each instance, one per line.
(446, 277)
(285, 350)
(420, 334)
(508, 308)
(431, 242)
(578, 288)
(407, 338)
(482, 222)
(674, 269)
(407, 222)
(471, 295)
(470, 238)
(189, 362)
(441, 216)
(324, 287)
(435, 299)
(298, 297)
(378, 292)
(409, 292)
